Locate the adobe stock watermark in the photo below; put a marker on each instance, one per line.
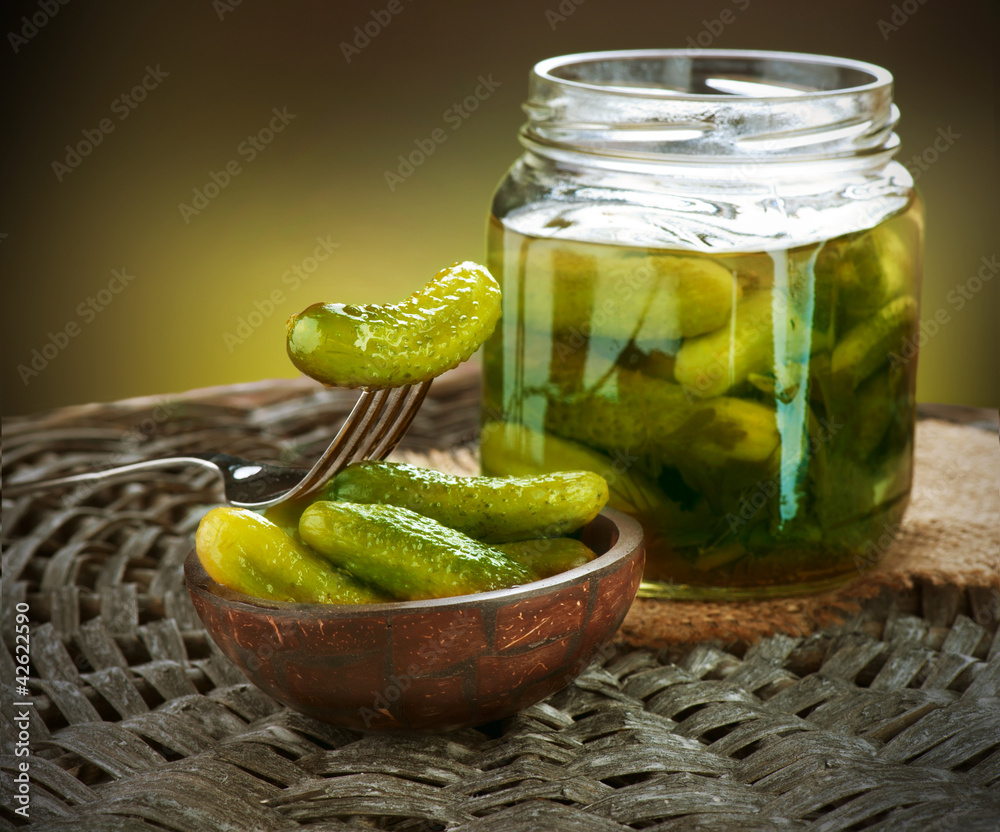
(918, 163)
(958, 297)
(87, 312)
(578, 338)
(454, 117)
(283, 628)
(224, 7)
(21, 717)
(562, 12)
(427, 654)
(364, 34)
(249, 148)
(713, 27)
(989, 613)
(763, 491)
(293, 277)
(122, 107)
(901, 13)
(290, 452)
(47, 9)
(130, 441)
(877, 547)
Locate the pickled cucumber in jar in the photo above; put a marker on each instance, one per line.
(755, 407)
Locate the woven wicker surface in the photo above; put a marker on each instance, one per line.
(889, 720)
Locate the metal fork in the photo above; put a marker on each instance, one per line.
(374, 427)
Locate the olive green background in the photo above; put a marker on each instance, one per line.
(176, 323)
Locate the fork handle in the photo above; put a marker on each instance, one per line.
(122, 472)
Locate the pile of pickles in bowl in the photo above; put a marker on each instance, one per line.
(384, 531)
(754, 410)
(398, 598)
(380, 531)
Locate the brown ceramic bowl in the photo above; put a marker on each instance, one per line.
(429, 665)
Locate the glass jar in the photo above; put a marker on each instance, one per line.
(710, 268)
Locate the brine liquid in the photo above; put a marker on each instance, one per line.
(753, 410)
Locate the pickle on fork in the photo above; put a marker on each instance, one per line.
(435, 329)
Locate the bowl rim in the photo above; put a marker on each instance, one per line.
(629, 542)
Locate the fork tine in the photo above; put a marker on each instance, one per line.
(395, 428)
(374, 427)
(393, 407)
(397, 408)
(389, 401)
(355, 427)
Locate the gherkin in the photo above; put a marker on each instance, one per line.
(405, 554)
(246, 552)
(491, 509)
(433, 330)
(548, 557)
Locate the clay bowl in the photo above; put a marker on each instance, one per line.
(429, 665)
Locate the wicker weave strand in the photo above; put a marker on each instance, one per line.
(137, 723)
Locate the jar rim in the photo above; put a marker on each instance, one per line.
(719, 106)
(546, 69)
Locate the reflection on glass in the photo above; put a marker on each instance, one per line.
(753, 410)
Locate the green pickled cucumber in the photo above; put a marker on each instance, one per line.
(507, 448)
(894, 477)
(405, 554)
(844, 491)
(693, 296)
(651, 297)
(728, 429)
(285, 515)
(433, 330)
(489, 509)
(868, 269)
(635, 414)
(712, 364)
(766, 383)
(657, 417)
(510, 450)
(870, 413)
(548, 557)
(869, 344)
(243, 551)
